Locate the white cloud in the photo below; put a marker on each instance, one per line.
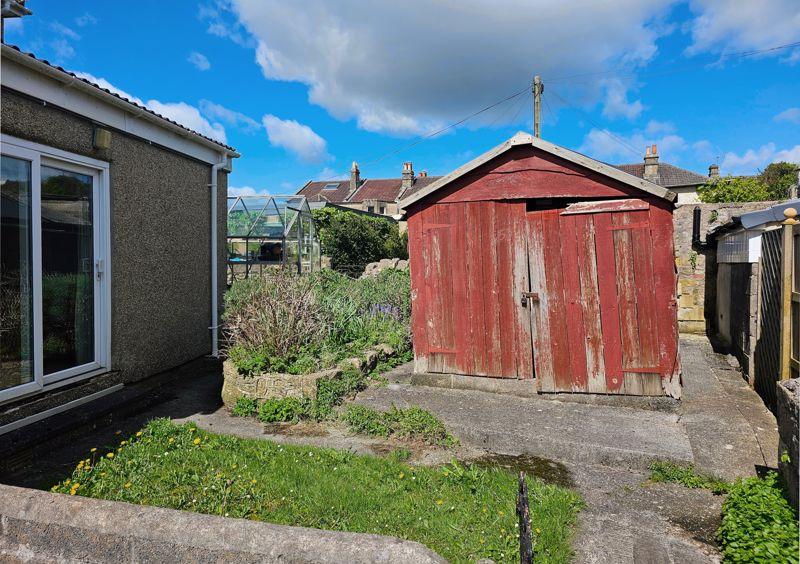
(103, 83)
(296, 138)
(190, 117)
(61, 29)
(62, 49)
(199, 60)
(246, 191)
(792, 115)
(723, 26)
(181, 112)
(328, 173)
(609, 146)
(222, 24)
(616, 102)
(654, 127)
(753, 160)
(704, 150)
(229, 117)
(406, 68)
(85, 19)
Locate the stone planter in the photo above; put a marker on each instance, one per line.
(787, 408)
(278, 385)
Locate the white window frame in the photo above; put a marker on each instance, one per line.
(41, 155)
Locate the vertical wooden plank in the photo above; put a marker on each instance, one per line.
(417, 254)
(540, 334)
(556, 310)
(505, 288)
(587, 264)
(626, 291)
(522, 319)
(646, 307)
(476, 285)
(665, 282)
(491, 291)
(463, 333)
(573, 307)
(609, 308)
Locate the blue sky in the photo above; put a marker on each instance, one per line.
(303, 88)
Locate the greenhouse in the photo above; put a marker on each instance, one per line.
(269, 231)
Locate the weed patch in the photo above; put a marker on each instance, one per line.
(686, 476)
(758, 523)
(413, 423)
(464, 513)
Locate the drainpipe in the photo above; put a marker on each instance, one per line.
(214, 259)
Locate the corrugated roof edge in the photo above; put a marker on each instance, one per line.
(522, 138)
(17, 54)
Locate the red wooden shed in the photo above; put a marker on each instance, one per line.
(536, 262)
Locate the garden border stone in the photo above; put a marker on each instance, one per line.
(47, 527)
(278, 385)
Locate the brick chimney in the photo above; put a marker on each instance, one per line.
(651, 163)
(355, 178)
(713, 171)
(408, 176)
(423, 174)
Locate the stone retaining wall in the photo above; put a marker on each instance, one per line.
(278, 385)
(375, 268)
(696, 278)
(37, 526)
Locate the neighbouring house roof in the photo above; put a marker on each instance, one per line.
(382, 189)
(29, 60)
(522, 139)
(668, 175)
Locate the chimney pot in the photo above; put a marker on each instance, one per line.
(355, 178)
(408, 176)
(651, 164)
(713, 171)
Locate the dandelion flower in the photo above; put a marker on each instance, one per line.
(127, 485)
(439, 502)
(196, 441)
(110, 455)
(93, 449)
(401, 475)
(538, 530)
(171, 440)
(138, 433)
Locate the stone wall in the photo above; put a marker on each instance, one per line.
(788, 413)
(696, 278)
(375, 268)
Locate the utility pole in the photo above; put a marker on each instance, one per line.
(537, 88)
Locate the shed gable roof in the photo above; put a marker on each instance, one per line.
(522, 139)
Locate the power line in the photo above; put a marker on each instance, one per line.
(597, 127)
(438, 131)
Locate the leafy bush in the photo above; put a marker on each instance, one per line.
(353, 240)
(412, 423)
(282, 322)
(245, 407)
(758, 523)
(770, 184)
(331, 392)
(686, 476)
(279, 410)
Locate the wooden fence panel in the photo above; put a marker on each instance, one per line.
(767, 359)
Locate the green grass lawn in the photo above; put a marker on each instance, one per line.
(462, 512)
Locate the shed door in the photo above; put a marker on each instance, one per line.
(593, 302)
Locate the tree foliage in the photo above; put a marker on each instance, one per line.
(772, 183)
(353, 240)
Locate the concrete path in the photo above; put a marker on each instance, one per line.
(720, 425)
(605, 443)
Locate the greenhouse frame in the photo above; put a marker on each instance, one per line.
(269, 231)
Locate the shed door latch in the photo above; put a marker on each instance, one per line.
(532, 296)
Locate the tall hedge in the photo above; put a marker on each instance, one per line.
(772, 183)
(353, 240)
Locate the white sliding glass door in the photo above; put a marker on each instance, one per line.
(53, 249)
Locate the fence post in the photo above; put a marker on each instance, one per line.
(787, 258)
(524, 515)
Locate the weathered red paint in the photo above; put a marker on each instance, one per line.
(598, 273)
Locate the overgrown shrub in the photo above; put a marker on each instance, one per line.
(279, 410)
(758, 523)
(353, 240)
(245, 407)
(281, 322)
(770, 184)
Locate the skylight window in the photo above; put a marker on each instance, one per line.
(332, 186)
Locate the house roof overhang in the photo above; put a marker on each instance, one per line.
(526, 139)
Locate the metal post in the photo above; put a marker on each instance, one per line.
(537, 89)
(786, 291)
